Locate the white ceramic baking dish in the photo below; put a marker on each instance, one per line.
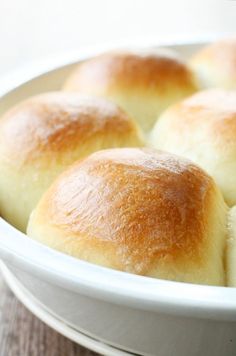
(137, 314)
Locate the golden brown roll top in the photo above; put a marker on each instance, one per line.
(41, 136)
(143, 83)
(215, 64)
(203, 129)
(137, 210)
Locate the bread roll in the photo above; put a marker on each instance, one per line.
(136, 210)
(215, 64)
(231, 249)
(142, 83)
(203, 128)
(41, 136)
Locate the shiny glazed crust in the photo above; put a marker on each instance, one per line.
(203, 129)
(131, 71)
(143, 84)
(55, 123)
(41, 136)
(137, 210)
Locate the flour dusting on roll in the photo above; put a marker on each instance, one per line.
(136, 210)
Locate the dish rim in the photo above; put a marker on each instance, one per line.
(113, 286)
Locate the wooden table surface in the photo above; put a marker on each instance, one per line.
(22, 334)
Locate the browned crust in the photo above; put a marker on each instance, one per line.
(141, 205)
(111, 71)
(220, 55)
(213, 111)
(59, 122)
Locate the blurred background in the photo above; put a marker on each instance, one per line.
(31, 29)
